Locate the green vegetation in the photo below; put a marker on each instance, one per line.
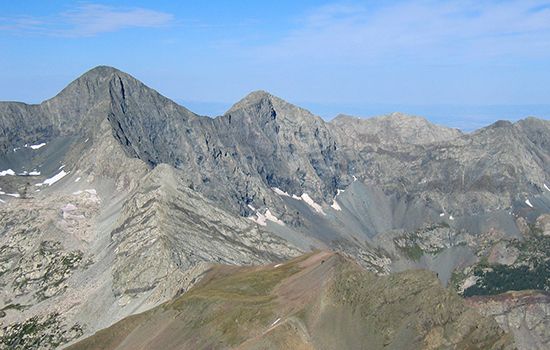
(38, 332)
(531, 270)
(501, 278)
(232, 303)
(413, 252)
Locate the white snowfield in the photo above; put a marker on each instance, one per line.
(269, 216)
(528, 202)
(32, 173)
(280, 192)
(7, 172)
(275, 322)
(546, 187)
(306, 198)
(261, 219)
(312, 204)
(53, 179)
(38, 146)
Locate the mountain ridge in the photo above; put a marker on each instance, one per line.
(121, 176)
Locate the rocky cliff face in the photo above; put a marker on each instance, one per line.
(113, 198)
(526, 315)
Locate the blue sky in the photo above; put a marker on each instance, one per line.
(460, 63)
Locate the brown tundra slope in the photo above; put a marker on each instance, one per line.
(317, 301)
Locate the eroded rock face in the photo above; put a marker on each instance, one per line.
(166, 229)
(132, 196)
(526, 315)
(264, 142)
(543, 225)
(111, 238)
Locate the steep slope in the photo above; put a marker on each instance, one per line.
(526, 315)
(264, 142)
(113, 198)
(319, 301)
(108, 238)
(77, 262)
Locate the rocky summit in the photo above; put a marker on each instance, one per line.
(128, 221)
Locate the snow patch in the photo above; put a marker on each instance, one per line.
(451, 217)
(7, 172)
(442, 214)
(259, 219)
(16, 195)
(296, 197)
(528, 202)
(354, 178)
(1, 201)
(269, 216)
(312, 203)
(275, 322)
(335, 205)
(546, 187)
(40, 145)
(276, 266)
(280, 192)
(55, 178)
(339, 191)
(77, 179)
(61, 167)
(32, 173)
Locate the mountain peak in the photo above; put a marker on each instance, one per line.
(254, 98)
(282, 108)
(102, 73)
(395, 127)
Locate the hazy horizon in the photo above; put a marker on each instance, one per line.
(458, 63)
(466, 117)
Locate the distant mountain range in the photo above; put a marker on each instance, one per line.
(115, 199)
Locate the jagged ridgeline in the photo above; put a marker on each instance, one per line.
(115, 199)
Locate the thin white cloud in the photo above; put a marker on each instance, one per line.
(87, 20)
(419, 30)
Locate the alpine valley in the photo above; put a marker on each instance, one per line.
(129, 222)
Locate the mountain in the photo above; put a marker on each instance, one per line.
(295, 305)
(115, 199)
